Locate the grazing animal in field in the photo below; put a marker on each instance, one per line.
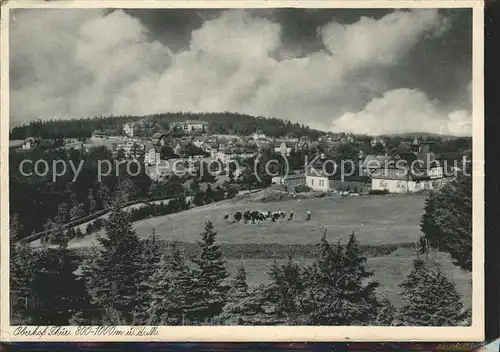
(291, 216)
(254, 215)
(247, 216)
(275, 216)
(308, 215)
(226, 216)
(237, 216)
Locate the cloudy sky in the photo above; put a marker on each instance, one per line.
(365, 71)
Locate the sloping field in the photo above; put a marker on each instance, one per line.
(389, 270)
(376, 220)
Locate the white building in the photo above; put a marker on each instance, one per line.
(152, 155)
(317, 181)
(128, 129)
(283, 148)
(28, 143)
(98, 134)
(191, 125)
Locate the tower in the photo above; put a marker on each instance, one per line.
(415, 146)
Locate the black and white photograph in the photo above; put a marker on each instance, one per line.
(240, 166)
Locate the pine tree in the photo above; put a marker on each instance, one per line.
(246, 306)
(285, 288)
(79, 233)
(231, 176)
(210, 274)
(89, 229)
(239, 286)
(150, 257)
(209, 195)
(22, 268)
(62, 216)
(77, 209)
(57, 292)
(114, 270)
(447, 221)
(430, 299)
(56, 233)
(92, 201)
(218, 194)
(199, 198)
(173, 290)
(231, 193)
(335, 289)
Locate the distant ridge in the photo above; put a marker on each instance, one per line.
(219, 123)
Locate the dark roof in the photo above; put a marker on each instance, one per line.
(158, 134)
(353, 178)
(294, 176)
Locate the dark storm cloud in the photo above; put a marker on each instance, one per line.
(349, 69)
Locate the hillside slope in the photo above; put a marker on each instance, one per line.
(377, 220)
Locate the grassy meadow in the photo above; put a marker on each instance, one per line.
(385, 226)
(376, 220)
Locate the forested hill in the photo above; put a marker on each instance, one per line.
(223, 123)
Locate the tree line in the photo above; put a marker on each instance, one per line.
(219, 123)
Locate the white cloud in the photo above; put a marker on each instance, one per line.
(84, 63)
(382, 41)
(403, 110)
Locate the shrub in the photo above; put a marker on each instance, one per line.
(302, 188)
(379, 191)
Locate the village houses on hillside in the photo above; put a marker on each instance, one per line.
(410, 172)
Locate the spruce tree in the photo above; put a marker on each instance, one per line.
(335, 289)
(430, 299)
(239, 286)
(79, 233)
(56, 233)
(77, 209)
(246, 306)
(92, 202)
(199, 198)
(22, 268)
(447, 221)
(210, 274)
(114, 270)
(57, 292)
(208, 195)
(173, 291)
(285, 288)
(150, 257)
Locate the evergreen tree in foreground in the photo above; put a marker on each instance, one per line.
(285, 288)
(245, 306)
(210, 274)
(430, 299)
(58, 293)
(173, 291)
(239, 286)
(22, 268)
(114, 270)
(336, 291)
(447, 221)
(150, 257)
